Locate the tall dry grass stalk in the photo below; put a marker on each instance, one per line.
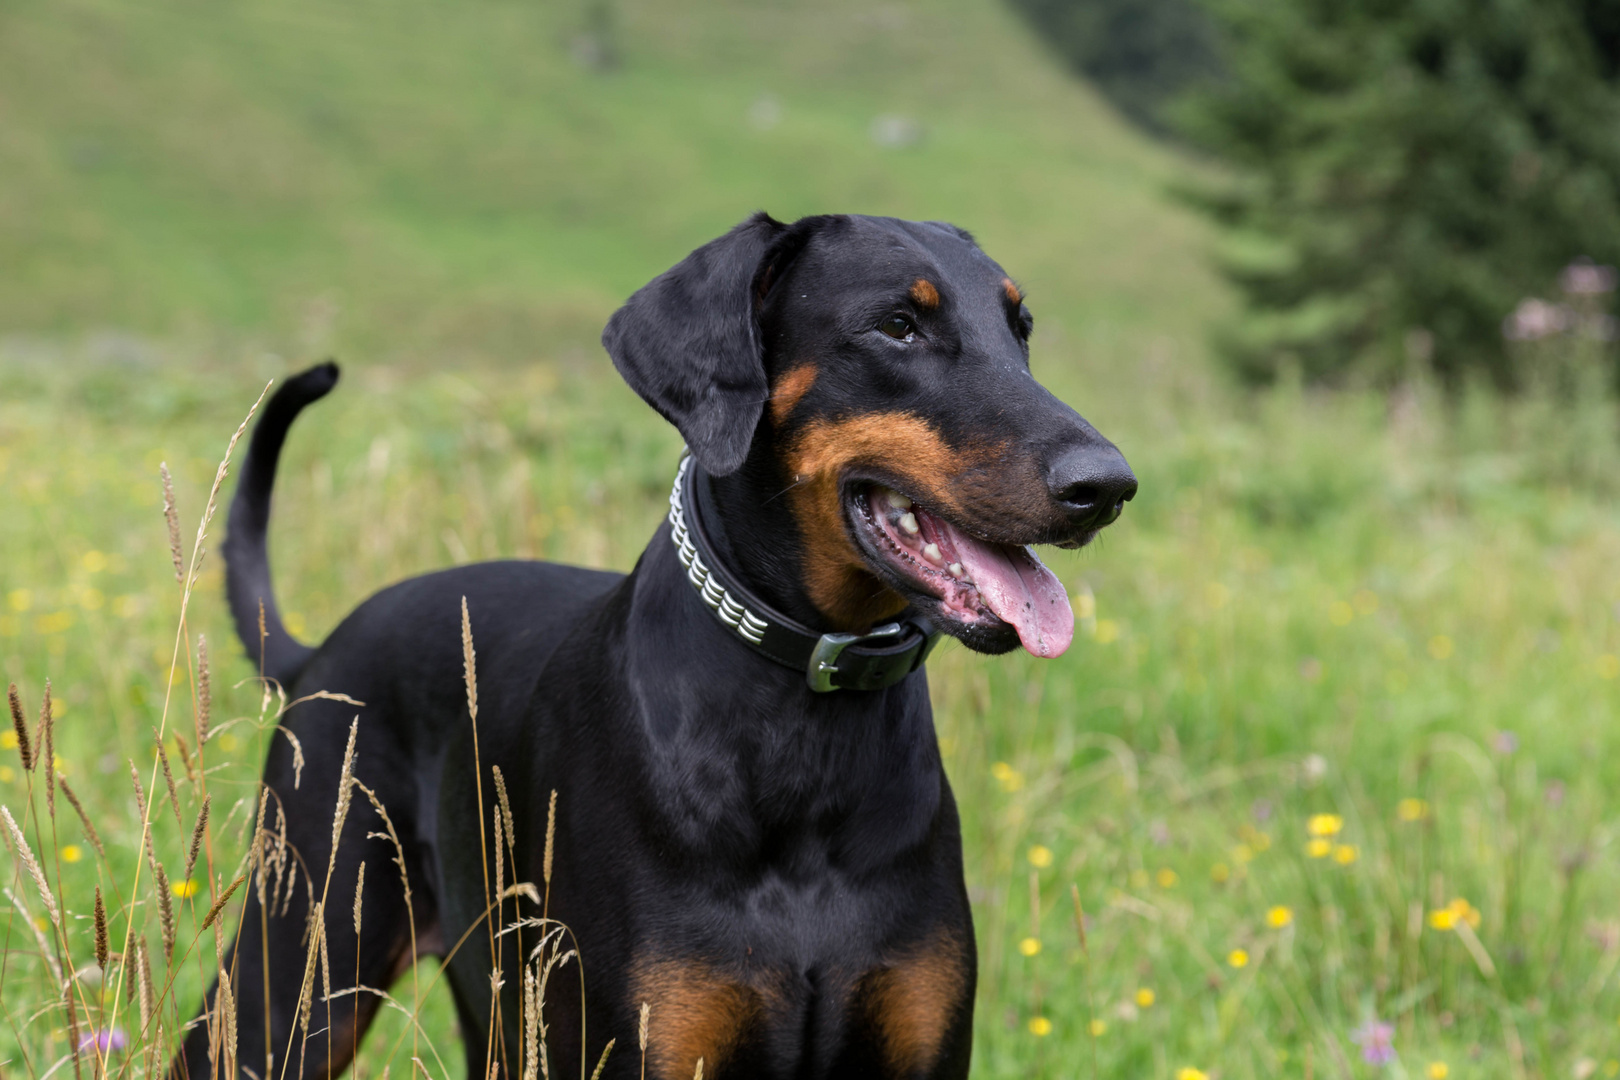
(187, 577)
(47, 750)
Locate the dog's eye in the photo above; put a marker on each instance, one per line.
(898, 327)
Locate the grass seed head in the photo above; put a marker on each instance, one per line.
(20, 725)
(197, 832)
(205, 697)
(359, 893)
(601, 1064)
(160, 882)
(172, 519)
(26, 855)
(551, 835)
(84, 818)
(219, 905)
(101, 931)
(168, 778)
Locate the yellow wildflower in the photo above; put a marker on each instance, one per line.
(1279, 916)
(1220, 873)
(1437, 1070)
(7, 774)
(1167, 878)
(1443, 919)
(1008, 777)
(1465, 911)
(1345, 854)
(1189, 1073)
(1608, 666)
(8, 740)
(1318, 848)
(1107, 631)
(1097, 1027)
(1040, 856)
(1238, 958)
(1441, 646)
(72, 853)
(185, 890)
(1411, 809)
(1340, 613)
(1029, 946)
(1040, 1027)
(1324, 824)
(1145, 998)
(94, 561)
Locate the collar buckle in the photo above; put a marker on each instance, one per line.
(823, 658)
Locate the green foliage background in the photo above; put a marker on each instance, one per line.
(1320, 602)
(1406, 173)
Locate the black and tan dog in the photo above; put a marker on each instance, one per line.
(755, 834)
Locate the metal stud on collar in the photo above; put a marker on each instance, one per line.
(749, 627)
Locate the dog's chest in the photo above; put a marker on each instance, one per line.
(849, 1014)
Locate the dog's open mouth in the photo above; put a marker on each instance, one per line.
(980, 586)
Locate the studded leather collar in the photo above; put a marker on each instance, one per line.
(870, 661)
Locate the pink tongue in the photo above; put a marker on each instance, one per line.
(1020, 590)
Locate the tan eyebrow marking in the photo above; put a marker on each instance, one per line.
(1013, 295)
(924, 293)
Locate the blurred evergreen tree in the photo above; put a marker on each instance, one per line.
(1140, 54)
(1405, 172)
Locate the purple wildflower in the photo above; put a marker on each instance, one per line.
(104, 1039)
(1377, 1042)
(1506, 742)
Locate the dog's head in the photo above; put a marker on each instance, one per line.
(875, 374)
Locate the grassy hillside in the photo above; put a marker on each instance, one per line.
(452, 182)
(1335, 743)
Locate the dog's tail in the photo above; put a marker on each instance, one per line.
(247, 560)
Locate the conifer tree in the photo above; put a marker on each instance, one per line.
(1405, 172)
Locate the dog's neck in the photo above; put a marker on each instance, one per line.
(769, 750)
(757, 538)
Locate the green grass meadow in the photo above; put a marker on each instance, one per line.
(1336, 741)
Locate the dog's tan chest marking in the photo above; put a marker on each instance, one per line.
(697, 1012)
(912, 1003)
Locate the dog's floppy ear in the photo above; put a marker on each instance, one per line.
(688, 343)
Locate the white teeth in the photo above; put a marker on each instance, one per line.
(908, 524)
(956, 570)
(898, 501)
(931, 553)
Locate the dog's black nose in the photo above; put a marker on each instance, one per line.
(1093, 484)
